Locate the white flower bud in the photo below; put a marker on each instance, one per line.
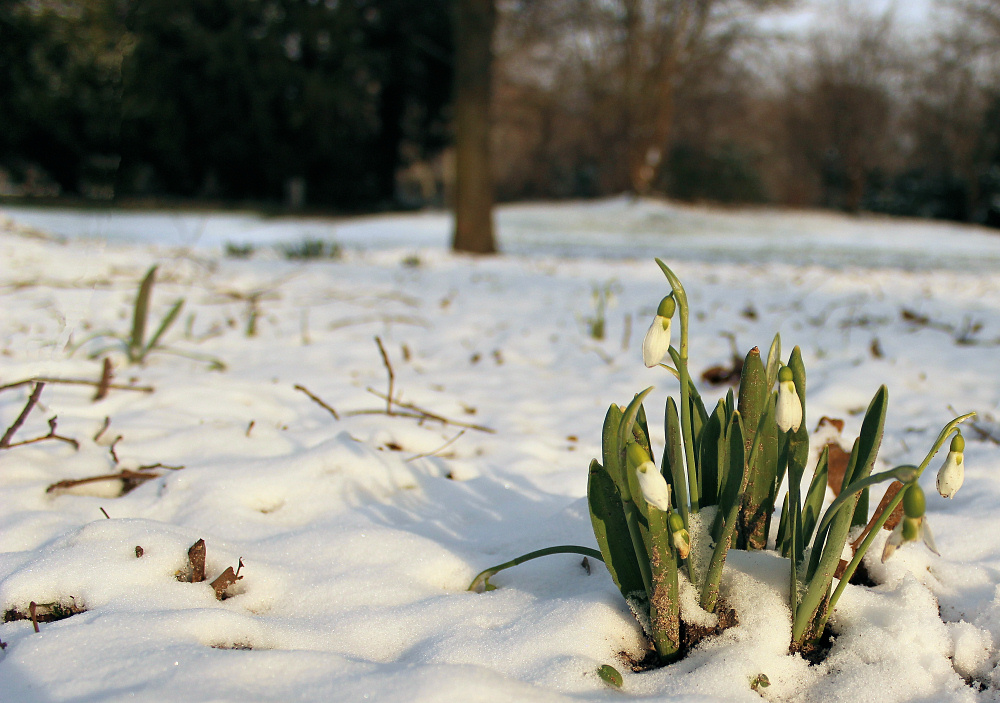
(788, 412)
(655, 488)
(679, 535)
(952, 473)
(656, 344)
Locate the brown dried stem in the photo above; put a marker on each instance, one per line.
(125, 475)
(111, 449)
(51, 435)
(313, 397)
(32, 401)
(439, 449)
(136, 478)
(107, 373)
(104, 428)
(419, 414)
(76, 382)
(392, 376)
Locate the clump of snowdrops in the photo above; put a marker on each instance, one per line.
(717, 484)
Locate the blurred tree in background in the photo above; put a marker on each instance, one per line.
(350, 104)
(264, 99)
(475, 23)
(60, 93)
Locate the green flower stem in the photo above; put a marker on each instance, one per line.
(685, 380)
(942, 437)
(734, 498)
(483, 577)
(903, 474)
(684, 376)
(822, 575)
(674, 372)
(795, 538)
(862, 550)
(884, 517)
(710, 590)
(664, 598)
(694, 492)
(638, 545)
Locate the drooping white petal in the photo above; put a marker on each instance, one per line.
(951, 475)
(895, 539)
(656, 344)
(925, 531)
(655, 488)
(788, 412)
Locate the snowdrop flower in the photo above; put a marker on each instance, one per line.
(952, 473)
(654, 487)
(788, 412)
(680, 536)
(909, 530)
(656, 344)
(913, 526)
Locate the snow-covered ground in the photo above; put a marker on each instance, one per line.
(359, 533)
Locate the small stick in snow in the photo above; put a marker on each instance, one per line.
(420, 414)
(130, 479)
(33, 609)
(32, 401)
(105, 512)
(51, 435)
(111, 449)
(107, 373)
(76, 382)
(313, 397)
(104, 428)
(439, 449)
(250, 427)
(392, 376)
(6, 441)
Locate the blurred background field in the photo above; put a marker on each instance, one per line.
(338, 106)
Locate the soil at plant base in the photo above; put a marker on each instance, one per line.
(816, 652)
(691, 635)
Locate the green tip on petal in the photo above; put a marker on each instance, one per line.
(785, 375)
(667, 306)
(636, 455)
(958, 443)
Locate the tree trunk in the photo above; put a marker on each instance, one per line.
(474, 22)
